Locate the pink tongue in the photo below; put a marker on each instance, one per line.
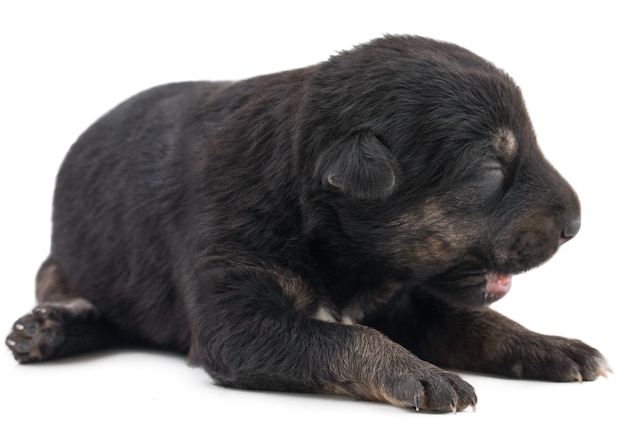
(498, 284)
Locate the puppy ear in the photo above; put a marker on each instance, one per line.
(362, 167)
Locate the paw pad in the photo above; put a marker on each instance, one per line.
(36, 336)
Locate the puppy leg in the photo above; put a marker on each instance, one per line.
(483, 340)
(250, 331)
(62, 324)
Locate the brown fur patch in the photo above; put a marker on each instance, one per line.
(51, 285)
(432, 233)
(505, 144)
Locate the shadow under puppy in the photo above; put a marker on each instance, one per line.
(341, 228)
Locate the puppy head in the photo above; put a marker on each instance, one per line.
(426, 164)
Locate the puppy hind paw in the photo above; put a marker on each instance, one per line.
(36, 336)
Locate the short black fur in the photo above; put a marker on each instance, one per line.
(327, 229)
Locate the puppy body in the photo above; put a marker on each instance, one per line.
(328, 229)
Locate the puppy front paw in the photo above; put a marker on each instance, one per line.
(421, 386)
(430, 389)
(556, 358)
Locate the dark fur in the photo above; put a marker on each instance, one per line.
(241, 223)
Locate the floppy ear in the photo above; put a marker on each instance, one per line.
(362, 167)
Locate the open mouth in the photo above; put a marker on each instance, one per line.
(469, 286)
(496, 286)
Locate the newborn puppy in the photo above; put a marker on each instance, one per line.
(341, 228)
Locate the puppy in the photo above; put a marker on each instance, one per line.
(341, 228)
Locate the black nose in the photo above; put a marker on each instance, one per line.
(570, 230)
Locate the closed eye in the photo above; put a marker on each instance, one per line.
(494, 180)
(487, 185)
(495, 169)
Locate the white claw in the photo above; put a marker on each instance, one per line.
(604, 371)
(417, 402)
(19, 327)
(11, 342)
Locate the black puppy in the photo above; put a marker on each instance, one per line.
(331, 229)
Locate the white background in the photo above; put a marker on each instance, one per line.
(64, 64)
